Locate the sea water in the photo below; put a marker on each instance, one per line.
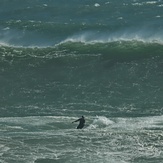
(63, 59)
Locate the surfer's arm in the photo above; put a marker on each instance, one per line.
(76, 120)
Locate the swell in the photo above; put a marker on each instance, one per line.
(118, 50)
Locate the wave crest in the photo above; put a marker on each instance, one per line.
(116, 50)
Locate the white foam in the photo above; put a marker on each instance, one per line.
(160, 5)
(141, 35)
(45, 5)
(7, 28)
(3, 43)
(151, 2)
(144, 3)
(100, 122)
(138, 123)
(97, 5)
(3, 149)
(107, 3)
(137, 4)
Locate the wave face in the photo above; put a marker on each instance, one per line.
(122, 77)
(63, 59)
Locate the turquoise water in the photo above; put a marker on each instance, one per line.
(62, 59)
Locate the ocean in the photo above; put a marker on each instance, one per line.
(63, 59)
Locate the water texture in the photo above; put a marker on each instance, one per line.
(63, 59)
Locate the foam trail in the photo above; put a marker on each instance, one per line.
(100, 122)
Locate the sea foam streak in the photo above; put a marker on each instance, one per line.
(127, 35)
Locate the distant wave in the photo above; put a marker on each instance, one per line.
(144, 34)
(123, 50)
(44, 34)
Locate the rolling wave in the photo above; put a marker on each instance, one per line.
(119, 50)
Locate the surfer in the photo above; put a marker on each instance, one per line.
(81, 122)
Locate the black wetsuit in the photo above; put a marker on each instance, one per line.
(81, 123)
